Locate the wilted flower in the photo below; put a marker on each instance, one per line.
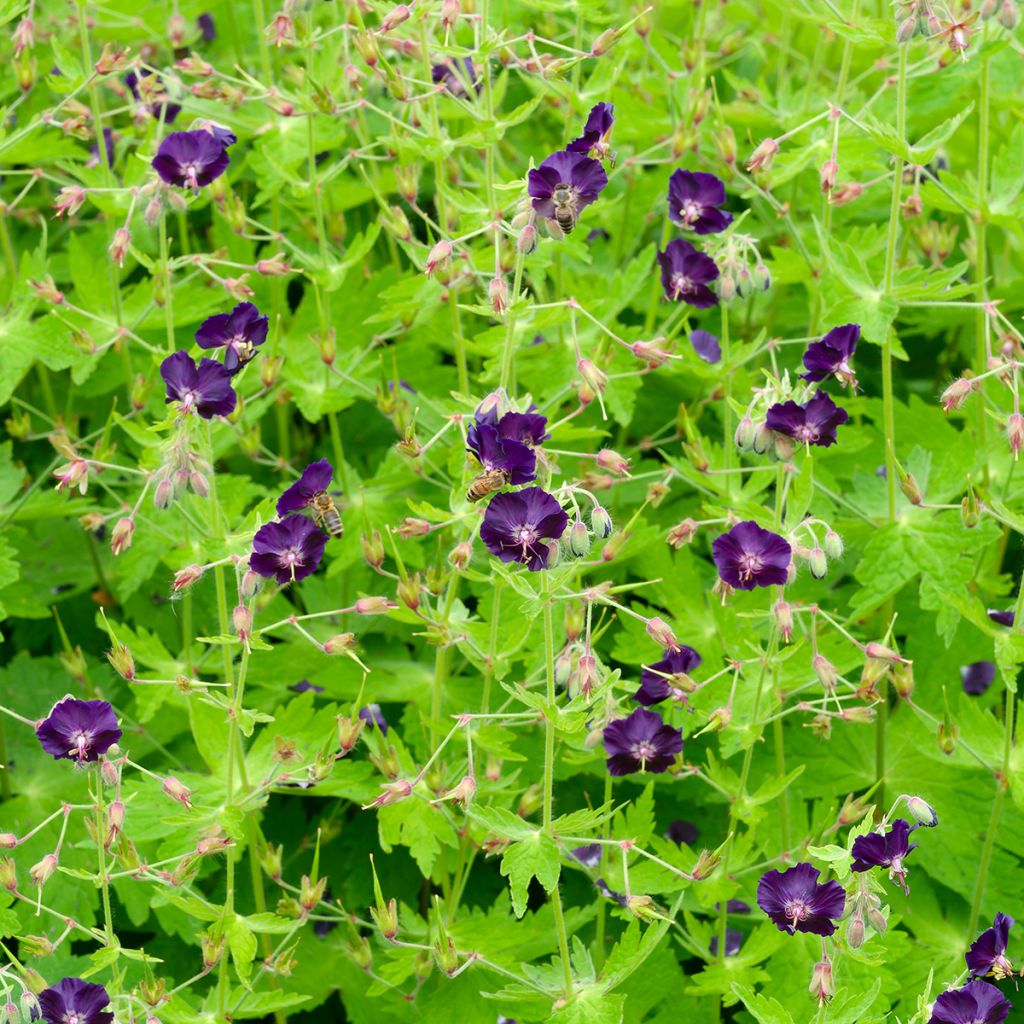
(641, 743)
(205, 388)
(239, 333)
(79, 730)
(987, 954)
(667, 677)
(748, 556)
(191, 159)
(693, 201)
(888, 851)
(814, 422)
(831, 356)
(977, 677)
(977, 1002)
(73, 1001)
(797, 902)
(685, 274)
(517, 524)
(290, 549)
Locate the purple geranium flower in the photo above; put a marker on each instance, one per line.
(372, 715)
(170, 110)
(494, 451)
(528, 427)
(748, 556)
(814, 422)
(73, 1001)
(225, 136)
(888, 851)
(987, 954)
(454, 73)
(290, 549)
(796, 902)
(518, 525)
(685, 273)
(578, 180)
(205, 388)
(693, 201)
(315, 477)
(657, 682)
(680, 831)
(239, 332)
(977, 1002)
(977, 677)
(641, 743)
(831, 356)
(589, 856)
(1003, 618)
(706, 346)
(206, 27)
(79, 730)
(594, 140)
(191, 159)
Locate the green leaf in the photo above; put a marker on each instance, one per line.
(242, 943)
(764, 1009)
(536, 856)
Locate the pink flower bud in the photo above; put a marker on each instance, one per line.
(69, 200)
(241, 619)
(276, 266)
(178, 791)
(827, 177)
(340, 644)
(460, 555)
(594, 378)
(438, 257)
(497, 293)
(119, 246)
(391, 792)
(395, 17)
(184, 578)
(1015, 432)
(762, 157)
(121, 535)
(527, 240)
(450, 10)
(249, 584)
(374, 606)
(956, 394)
(411, 527)
(8, 840)
(682, 533)
(42, 871)
(660, 632)
(613, 462)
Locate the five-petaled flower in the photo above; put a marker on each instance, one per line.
(748, 556)
(577, 179)
(797, 902)
(686, 273)
(239, 333)
(73, 1001)
(693, 201)
(641, 743)
(79, 730)
(815, 422)
(831, 356)
(978, 1002)
(191, 159)
(596, 132)
(205, 388)
(495, 449)
(987, 954)
(888, 851)
(520, 526)
(289, 550)
(668, 677)
(316, 477)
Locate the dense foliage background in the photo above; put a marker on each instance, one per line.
(243, 888)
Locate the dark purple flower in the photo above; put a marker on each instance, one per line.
(316, 477)
(680, 831)
(518, 524)
(977, 1002)
(796, 902)
(94, 150)
(831, 356)
(737, 907)
(493, 451)
(685, 273)
(594, 140)
(206, 27)
(225, 136)
(814, 422)
(660, 680)
(205, 388)
(888, 851)
(987, 954)
(578, 179)
(239, 332)
(706, 346)
(618, 897)
(290, 549)
(748, 556)
(693, 201)
(79, 730)
(170, 110)
(372, 715)
(641, 743)
(73, 1001)
(733, 941)
(191, 159)
(454, 73)
(1003, 618)
(589, 856)
(977, 677)
(528, 427)
(305, 686)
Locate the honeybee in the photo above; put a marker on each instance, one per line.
(326, 513)
(490, 481)
(565, 201)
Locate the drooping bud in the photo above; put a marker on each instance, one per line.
(177, 790)
(579, 539)
(438, 257)
(762, 157)
(784, 620)
(241, 620)
(601, 522)
(956, 394)
(497, 295)
(594, 378)
(822, 986)
(826, 672)
(855, 932)
(43, 870)
(921, 811)
(613, 462)
(374, 606)
(817, 563)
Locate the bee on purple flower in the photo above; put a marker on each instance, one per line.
(239, 333)
(830, 357)
(564, 185)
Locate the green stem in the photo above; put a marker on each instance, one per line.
(727, 432)
(510, 325)
(5, 777)
(165, 266)
(981, 243)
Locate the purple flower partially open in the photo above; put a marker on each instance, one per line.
(831, 356)
(796, 902)
(706, 346)
(79, 730)
(518, 525)
(978, 1002)
(888, 851)
(205, 388)
(315, 477)
(239, 332)
(685, 274)
(693, 201)
(289, 550)
(815, 422)
(191, 159)
(578, 180)
(641, 743)
(977, 677)
(594, 140)
(987, 954)
(73, 1001)
(494, 451)
(748, 556)
(657, 681)
(207, 29)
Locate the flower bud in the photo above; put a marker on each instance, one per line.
(8, 840)
(1009, 16)
(412, 527)
(922, 812)
(579, 538)
(249, 584)
(340, 643)
(613, 462)
(163, 494)
(877, 919)
(784, 620)
(601, 522)
(374, 606)
(707, 864)
(184, 578)
(764, 438)
(241, 620)
(373, 549)
(8, 874)
(956, 394)
(213, 949)
(682, 533)
(855, 932)
(121, 661)
(349, 730)
(594, 378)
(460, 555)
(762, 157)
(587, 676)
(744, 436)
(409, 591)
(563, 669)
(575, 619)
(527, 240)
(660, 632)
(438, 257)
(497, 295)
(43, 870)
(817, 563)
(178, 791)
(826, 672)
(822, 987)
(121, 535)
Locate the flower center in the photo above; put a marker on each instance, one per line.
(690, 211)
(797, 910)
(82, 741)
(525, 535)
(188, 399)
(74, 1017)
(682, 285)
(806, 433)
(190, 173)
(750, 565)
(643, 751)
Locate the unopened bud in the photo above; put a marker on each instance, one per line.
(613, 462)
(601, 522)
(593, 377)
(43, 870)
(817, 563)
(121, 535)
(784, 620)
(956, 394)
(707, 864)
(438, 257)
(497, 295)
(373, 606)
(826, 672)
(822, 986)
(241, 620)
(682, 533)
(213, 949)
(855, 932)
(762, 157)
(661, 633)
(579, 539)
(922, 812)
(373, 549)
(184, 578)
(177, 790)
(121, 661)
(527, 240)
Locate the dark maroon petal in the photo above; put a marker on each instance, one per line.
(706, 346)
(294, 545)
(207, 27)
(589, 856)
(527, 427)
(179, 374)
(978, 1002)
(712, 221)
(213, 331)
(79, 729)
(1003, 618)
